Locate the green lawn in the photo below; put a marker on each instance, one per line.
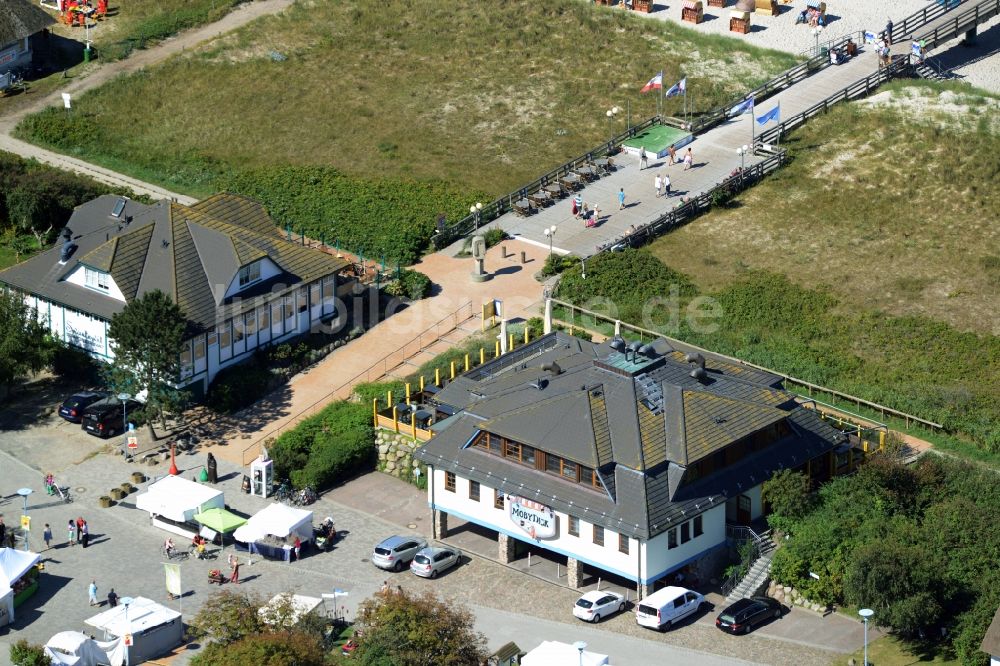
(483, 96)
(891, 651)
(894, 208)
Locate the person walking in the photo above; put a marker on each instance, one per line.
(234, 575)
(85, 534)
(112, 598)
(666, 186)
(92, 593)
(71, 533)
(577, 205)
(671, 154)
(3, 531)
(643, 160)
(888, 32)
(621, 198)
(297, 546)
(688, 159)
(47, 536)
(658, 183)
(79, 528)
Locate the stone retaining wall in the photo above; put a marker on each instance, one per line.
(395, 454)
(789, 596)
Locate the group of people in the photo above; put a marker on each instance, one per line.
(77, 532)
(92, 595)
(582, 210)
(811, 16)
(75, 12)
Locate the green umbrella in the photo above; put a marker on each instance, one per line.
(220, 520)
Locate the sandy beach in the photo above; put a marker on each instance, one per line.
(979, 65)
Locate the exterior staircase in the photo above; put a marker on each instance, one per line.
(759, 570)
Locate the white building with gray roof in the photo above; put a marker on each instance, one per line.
(628, 459)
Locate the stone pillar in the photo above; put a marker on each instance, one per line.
(574, 573)
(505, 548)
(645, 590)
(618, 328)
(547, 326)
(503, 336)
(440, 524)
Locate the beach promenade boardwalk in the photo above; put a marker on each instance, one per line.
(715, 157)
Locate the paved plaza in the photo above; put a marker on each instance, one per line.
(508, 604)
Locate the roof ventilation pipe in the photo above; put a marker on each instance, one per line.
(68, 246)
(634, 348)
(695, 357)
(699, 374)
(618, 343)
(648, 351)
(552, 368)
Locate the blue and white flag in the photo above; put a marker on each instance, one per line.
(773, 114)
(741, 108)
(870, 37)
(679, 88)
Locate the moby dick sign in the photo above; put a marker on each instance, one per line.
(536, 519)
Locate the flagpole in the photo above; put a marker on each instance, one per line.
(753, 119)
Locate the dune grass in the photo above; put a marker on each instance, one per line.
(484, 96)
(892, 203)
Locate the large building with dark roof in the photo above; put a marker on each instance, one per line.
(626, 458)
(223, 261)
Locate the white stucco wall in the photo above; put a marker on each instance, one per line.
(79, 277)
(581, 548)
(661, 559)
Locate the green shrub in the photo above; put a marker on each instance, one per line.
(495, 236)
(326, 448)
(555, 264)
(23, 653)
(72, 363)
(415, 284)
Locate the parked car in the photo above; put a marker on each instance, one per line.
(742, 616)
(665, 608)
(431, 561)
(72, 408)
(396, 551)
(596, 604)
(105, 418)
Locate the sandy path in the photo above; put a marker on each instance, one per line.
(102, 73)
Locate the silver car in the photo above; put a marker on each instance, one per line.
(394, 552)
(429, 562)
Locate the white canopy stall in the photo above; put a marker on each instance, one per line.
(554, 653)
(73, 648)
(14, 564)
(271, 531)
(172, 503)
(155, 628)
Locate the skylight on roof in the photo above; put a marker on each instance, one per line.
(119, 208)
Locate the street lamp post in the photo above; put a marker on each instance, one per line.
(580, 647)
(742, 152)
(866, 613)
(476, 210)
(549, 233)
(817, 31)
(612, 113)
(23, 492)
(128, 627)
(124, 397)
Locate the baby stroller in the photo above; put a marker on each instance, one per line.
(325, 534)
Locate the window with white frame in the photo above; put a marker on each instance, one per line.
(250, 274)
(96, 279)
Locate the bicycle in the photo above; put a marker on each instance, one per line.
(305, 497)
(284, 493)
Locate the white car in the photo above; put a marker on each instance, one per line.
(596, 604)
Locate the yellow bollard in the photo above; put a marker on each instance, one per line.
(388, 399)
(527, 334)
(496, 349)
(421, 384)
(375, 411)
(395, 419)
(452, 370)
(466, 362)
(407, 392)
(881, 440)
(510, 342)
(482, 355)
(437, 376)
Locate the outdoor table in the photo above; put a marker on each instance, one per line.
(522, 207)
(570, 180)
(272, 552)
(586, 172)
(540, 198)
(554, 189)
(604, 163)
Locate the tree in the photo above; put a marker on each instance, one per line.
(23, 653)
(400, 628)
(228, 617)
(788, 495)
(148, 337)
(25, 344)
(281, 648)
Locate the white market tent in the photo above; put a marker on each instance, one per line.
(13, 565)
(554, 653)
(298, 607)
(155, 628)
(72, 648)
(178, 500)
(276, 520)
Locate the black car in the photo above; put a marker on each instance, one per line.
(746, 614)
(104, 418)
(72, 408)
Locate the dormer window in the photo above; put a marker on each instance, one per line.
(249, 274)
(96, 279)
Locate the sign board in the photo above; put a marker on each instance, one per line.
(537, 520)
(127, 639)
(814, 576)
(66, 100)
(26, 523)
(133, 442)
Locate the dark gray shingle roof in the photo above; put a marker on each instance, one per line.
(20, 19)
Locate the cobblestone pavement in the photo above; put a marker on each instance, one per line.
(125, 555)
